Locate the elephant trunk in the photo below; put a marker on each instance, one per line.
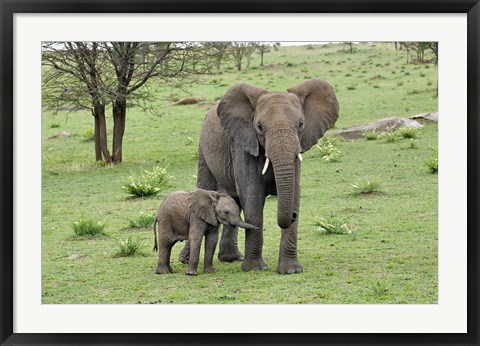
(242, 224)
(283, 155)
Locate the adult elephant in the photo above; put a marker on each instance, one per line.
(250, 147)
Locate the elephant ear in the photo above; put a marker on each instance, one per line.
(236, 111)
(202, 204)
(320, 107)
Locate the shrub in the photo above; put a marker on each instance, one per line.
(194, 154)
(54, 125)
(142, 221)
(406, 132)
(88, 226)
(328, 150)
(128, 247)
(366, 187)
(432, 163)
(370, 135)
(88, 135)
(149, 183)
(390, 137)
(334, 225)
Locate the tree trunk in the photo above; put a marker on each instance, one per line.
(101, 147)
(261, 58)
(119, 115)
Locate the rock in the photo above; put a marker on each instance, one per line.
(186, 101)
(62, 134)
(426, 116)
(71, 108)
(75, 257)
(383, 125)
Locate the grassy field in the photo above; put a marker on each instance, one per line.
(389, 255)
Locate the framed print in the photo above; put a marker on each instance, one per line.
(334, 143)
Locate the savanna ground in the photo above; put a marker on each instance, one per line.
(390, 256)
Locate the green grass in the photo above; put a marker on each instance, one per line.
(393, 259)
(142, 221)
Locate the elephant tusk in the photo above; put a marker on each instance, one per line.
(267, 162)
(300, 157)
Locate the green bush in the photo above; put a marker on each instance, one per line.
(88, 226)
(432, 163)
(366, 187)
(390, 137)
(370, 135)
(328, 150)
(88, 135)
(142, 221)
(148, 183)
(128, 247)
(334, 225)
(406, 132)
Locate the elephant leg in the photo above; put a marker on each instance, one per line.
(287, 260)
(254, 239)
(195, 244)
(229, 251)
(164, 249)
(211, 239)
(184, 255)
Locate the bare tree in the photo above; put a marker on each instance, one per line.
(93, 75)
(348, 44)
(75, 75)
(416, 51)
(263, 47)
(220, 51)
(238, 53)
(249, 48)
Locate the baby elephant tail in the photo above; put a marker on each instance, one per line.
(155, 246)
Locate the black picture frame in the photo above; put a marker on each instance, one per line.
(9, 7)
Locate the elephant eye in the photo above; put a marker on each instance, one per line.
(301, 126)
(259, 127)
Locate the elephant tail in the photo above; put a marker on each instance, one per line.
(155, 246)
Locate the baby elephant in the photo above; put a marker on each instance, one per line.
(184, 215)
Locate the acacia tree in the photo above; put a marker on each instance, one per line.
(75, 75)
(220, 50)
(116, 73)
(263, 47)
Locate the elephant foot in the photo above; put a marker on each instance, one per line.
(164, 269)
(184, 256)
(289, 267)
(254, 264)
(230, 256)
(191, 272)
(209, 269)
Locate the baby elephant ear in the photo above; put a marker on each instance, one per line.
(320, 107)
(202, 204)
(236, 111)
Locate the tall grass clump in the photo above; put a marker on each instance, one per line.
(370, 135)
(148, 183)
(432, 163)
(88, 226)
(390, 137)
(366, 187)
(328, 150)
(128, 247)
(88, 135)
(406, 132)
(142, 221)
(334, 225)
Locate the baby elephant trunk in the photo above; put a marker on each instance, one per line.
(242, 224)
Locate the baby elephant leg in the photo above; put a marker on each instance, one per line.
(184, 255)
(164, 250)
(211, 239)
(195, 243)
